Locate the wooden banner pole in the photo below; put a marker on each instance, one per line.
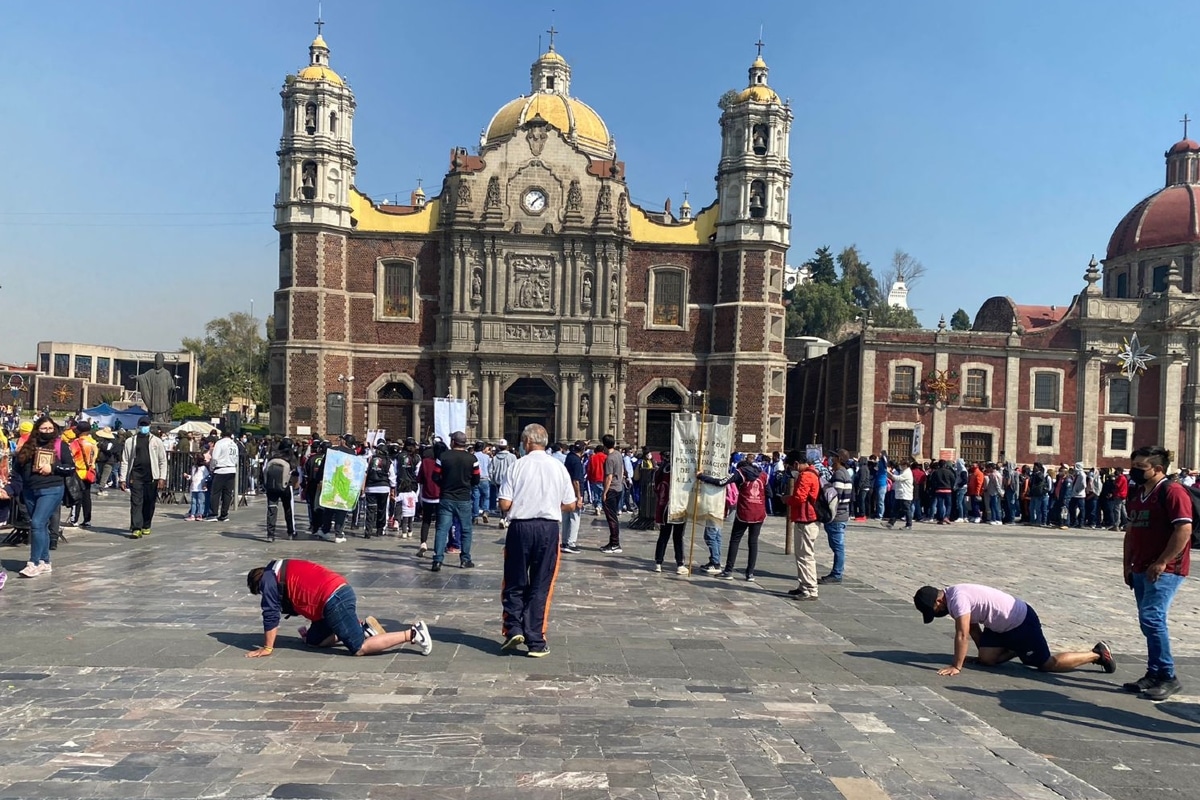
(696, 487)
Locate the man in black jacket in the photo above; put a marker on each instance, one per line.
(457, 473)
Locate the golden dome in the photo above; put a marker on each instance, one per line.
(759, 63)
(758, 94)
(568, 115)
(319, 42)
(318, 73)
(550, 55)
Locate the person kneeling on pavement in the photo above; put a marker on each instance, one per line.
(1003, 627)
(293, 587)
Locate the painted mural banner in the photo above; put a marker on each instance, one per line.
(342, 480)
(699, 443)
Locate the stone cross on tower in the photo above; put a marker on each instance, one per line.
(1185, 122)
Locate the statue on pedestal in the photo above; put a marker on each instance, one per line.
(155, 386)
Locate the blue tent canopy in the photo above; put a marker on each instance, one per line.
(105, 415)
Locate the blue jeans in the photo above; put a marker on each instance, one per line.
(960, 502)
(597, 490)
(1039, 508)
(941, 506)
(994, 508)
(1153, 602)
(836, 533)
(481, 495)
(447, 511)
(196, 509)
(42, 505)
(880, 499)
(339, 618)
(712, 538)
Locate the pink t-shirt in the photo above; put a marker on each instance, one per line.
(991, 608)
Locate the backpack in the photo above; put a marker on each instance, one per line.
(377, 469)
(827, 502)
(1193, 493)
(276, 474)
(731, 496)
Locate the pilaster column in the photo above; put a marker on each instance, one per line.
(1191, 404)
(866, 402)
(1012, 406)
(619, 423)
(593, 430)
(1170, 390)
(485, 405)
(600, 408)
(1087, 411)
(497, 415)
(937, 436)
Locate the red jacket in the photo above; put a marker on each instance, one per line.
(975, 481)
(803, 502)
(595, 466)
(1120, 487)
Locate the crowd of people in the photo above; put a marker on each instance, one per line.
(538, 491)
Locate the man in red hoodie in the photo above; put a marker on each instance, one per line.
(802, 507)
(1117, 515)
(293, 587)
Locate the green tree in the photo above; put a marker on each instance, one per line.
(960, 321)
(886, 316)
(183, 409)
(231, 360)
(858, 282)
(818, 309)
(821, 266)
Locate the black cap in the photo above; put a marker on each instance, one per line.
(459, 438)
(926, 600)
(285, 443)
(408, 440)
(143, 421)
(349, 439)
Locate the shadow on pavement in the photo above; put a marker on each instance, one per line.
(910, 658)
(1058, 706)
(480, 643)
(249, 641)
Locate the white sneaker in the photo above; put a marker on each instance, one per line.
(339, 539)
(324, 537)
(421, 638)
(681, 570)
(31, 570)
(422, 549)
(44, 567)
(658, 567)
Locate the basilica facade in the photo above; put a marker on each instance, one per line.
(530, 285)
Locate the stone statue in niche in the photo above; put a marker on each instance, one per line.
(586, 299)
(574, 198)
(476, 289)
(604, 200)
(536, 138)
(464, 194)
(623, 209)
(492, 200)
(612, 407)
(585, 409)
(310, 117)
(473, 408)
(614, 302)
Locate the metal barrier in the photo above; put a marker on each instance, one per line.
(180, 465)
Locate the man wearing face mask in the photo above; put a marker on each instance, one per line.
(144, 473)
(1157, 557)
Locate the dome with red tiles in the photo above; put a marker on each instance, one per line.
(1185, 146)
(1164, 219)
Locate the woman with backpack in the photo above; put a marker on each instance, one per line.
(43, 463)
(750, 512)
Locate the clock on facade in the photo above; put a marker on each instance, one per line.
(534, 201)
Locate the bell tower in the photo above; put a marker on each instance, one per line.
(316, 151)
(747, 368)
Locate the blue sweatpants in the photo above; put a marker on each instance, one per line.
(530, 567)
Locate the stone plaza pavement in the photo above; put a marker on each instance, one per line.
(122, 675)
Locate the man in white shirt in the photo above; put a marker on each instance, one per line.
(224, 463)
(534, 495)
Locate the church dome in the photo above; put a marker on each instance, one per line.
(318, 67)
(1164, 219)
(1185, 146)
(550, 100)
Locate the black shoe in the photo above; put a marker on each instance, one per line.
(824, 579)
(86, 526)
(1140, 685)
(1164, 688)
(1107, 662)
(466, 564)
(795, 592)
(222, 519)
(436, 567)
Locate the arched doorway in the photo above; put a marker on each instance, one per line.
(660, 405)
(527, 401)
(394, 410)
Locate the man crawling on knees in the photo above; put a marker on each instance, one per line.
(293, 587)
(1003, 627)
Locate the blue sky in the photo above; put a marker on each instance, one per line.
(998, 143)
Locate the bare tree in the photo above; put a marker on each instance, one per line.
(904, 268)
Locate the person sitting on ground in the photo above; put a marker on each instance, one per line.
(1003, 627)
(291, 587)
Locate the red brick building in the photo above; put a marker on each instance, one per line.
(530, 285)
(1035, 383)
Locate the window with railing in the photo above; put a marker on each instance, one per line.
(975, 392)
(904, 384)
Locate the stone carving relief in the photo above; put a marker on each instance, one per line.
(463, 195)
(614, 301)
(529, 333)
(612, 407)
(574, 198)
(473, 409)
(492, 200)
(531, 282)
(536, 138)
(623, 209)
(604, 200)
(585, 409)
